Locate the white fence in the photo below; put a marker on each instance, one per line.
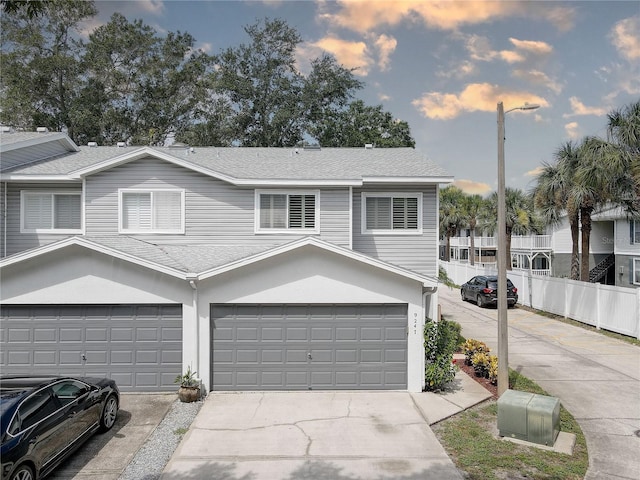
(602, 306)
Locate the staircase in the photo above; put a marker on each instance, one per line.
(600, 270)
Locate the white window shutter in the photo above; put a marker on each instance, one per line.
(37, 211)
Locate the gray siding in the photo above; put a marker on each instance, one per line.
(415, 252)
(16, 241)
(216, 212)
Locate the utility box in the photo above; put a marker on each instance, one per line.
(529, 417)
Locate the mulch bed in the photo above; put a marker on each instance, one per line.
(468, 369)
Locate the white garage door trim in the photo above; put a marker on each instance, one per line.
(139, 346)
(309, 347)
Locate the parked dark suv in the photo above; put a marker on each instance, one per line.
(484, 291)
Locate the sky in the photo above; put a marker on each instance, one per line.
(443, 66)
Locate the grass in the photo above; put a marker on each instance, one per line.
(469, 440)
(180, 431)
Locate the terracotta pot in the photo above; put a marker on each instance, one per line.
(188, 394)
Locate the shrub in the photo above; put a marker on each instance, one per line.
(480, 362)
(473, 346)
(440, 342)
(493, 369)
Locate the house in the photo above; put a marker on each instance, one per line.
(259, 268)
(614, 250)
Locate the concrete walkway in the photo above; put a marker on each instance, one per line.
(321, 435)
(597, 378)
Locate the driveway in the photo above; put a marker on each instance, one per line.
(597, 378)
(105, 456)
(311, 435)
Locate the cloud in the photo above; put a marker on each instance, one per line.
(534, 47)
(365, 16)
(385, 45)
(472, 188)
(535, 172)
(475, 97)
(572, 130)
(536, 77)
(625, 36)
(155, 7)
(578, 109)
(348, 53)
(383, 97)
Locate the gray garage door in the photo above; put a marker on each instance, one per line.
(139, 346)
(300, 347)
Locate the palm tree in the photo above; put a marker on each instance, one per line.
(450, 212)
(472, 208)
(520, 217)
(623, 130)
(553, 196)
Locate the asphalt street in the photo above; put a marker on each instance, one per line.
(597, 378)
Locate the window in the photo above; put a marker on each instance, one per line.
(54, 212)
(636, 271)
(287, 212)
(635, 231)
(157, 211)
(34, 409)
(397, 213)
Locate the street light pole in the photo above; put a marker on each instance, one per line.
(503, 325)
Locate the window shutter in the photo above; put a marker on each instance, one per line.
(273, 211)
(67, 211)
(136, 211)
(378, 213)
(405, 213)
(167, 210)
(37, 211)
(309, 211)
(296, 211)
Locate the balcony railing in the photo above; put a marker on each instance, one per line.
(518, 242)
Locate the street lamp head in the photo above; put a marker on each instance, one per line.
(529, 106)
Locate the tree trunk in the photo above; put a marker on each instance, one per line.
(447, 250)
(472, 250)
(575, 254)
(509, 250)
(585, 221)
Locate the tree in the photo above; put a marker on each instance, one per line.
(520, 217)
(41, 68)
(140, 87)
(263, 86)
(359, 125)
(451, 214)
(472, 208)
(32, 8)
(554, 195)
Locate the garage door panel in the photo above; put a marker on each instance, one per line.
(309, 347)
(139, 346)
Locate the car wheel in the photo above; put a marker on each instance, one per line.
(479, 301)
(464, 299)
(24, 472)
(109, 413)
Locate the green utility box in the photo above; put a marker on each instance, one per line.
(529, 417)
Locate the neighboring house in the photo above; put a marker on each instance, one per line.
(614, 257)
(614, 250)
(260, 268)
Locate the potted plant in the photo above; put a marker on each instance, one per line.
(189, 390)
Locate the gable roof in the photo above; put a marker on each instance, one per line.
(251, 166)
(200, 262)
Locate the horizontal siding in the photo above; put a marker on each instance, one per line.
(16, 241)
(415, 252)
(216, 212)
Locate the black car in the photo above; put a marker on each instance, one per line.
(483, 290)
(44, 419)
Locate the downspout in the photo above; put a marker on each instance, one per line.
(194, 286)
(4, 221)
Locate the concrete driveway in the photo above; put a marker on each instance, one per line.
(105, 455)
(311, 435)
(597, 378)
